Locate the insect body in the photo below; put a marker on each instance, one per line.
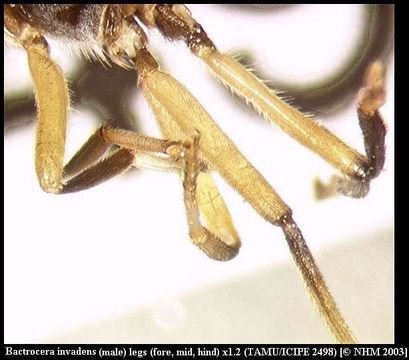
(192, 143)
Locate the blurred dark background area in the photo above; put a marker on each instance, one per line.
(106, 90)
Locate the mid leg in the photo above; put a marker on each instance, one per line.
(218, 239)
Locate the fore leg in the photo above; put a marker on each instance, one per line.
(90, 167)
(115, 164)
(52, 101)
(52, 104)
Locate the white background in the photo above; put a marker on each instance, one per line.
(115, 264)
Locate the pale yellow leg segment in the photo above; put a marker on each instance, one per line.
(226, 245)
(214, 211)
(303, 129)
(179, 114)
(52, 105)
(221, 241)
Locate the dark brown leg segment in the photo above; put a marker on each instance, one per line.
(371, 97)
(315, 282)
(88, 167)
(90, 153)
(109, 167)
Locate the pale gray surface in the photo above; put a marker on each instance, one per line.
(269, 306)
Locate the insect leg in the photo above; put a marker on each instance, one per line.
(371, 97)
(109, 167)
(315, 282)
(219, 240)
(52, 106)
(90, 153)
(210, 243)
(52, 100)
(89, 167)
(176, 23)
(179, 114)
